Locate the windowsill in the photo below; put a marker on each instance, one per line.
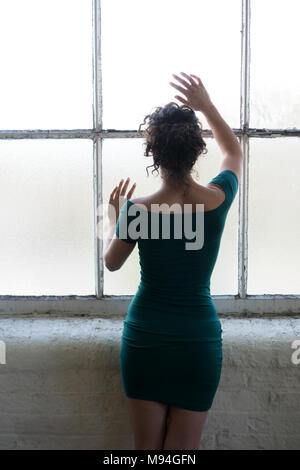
(260, 305)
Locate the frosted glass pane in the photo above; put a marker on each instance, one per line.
(46, 211)
(275, 68)
(124, 157)
(274, 224)
(144, 42)
(46, 64)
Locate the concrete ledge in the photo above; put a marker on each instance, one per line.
(61, 385)
(118, 304)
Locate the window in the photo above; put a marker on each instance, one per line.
(78, 77)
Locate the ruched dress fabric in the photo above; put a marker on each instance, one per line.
(171, 345)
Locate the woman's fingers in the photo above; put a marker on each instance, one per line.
(117, 193)
(120, 186)
(179, 88)
(112, 194)
(191, 81)
(182, 99)
(124, 189)
(131, 191)
(183, 82)
(120, 190)
(197, 78)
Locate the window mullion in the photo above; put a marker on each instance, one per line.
(244, 124)
(97, 149)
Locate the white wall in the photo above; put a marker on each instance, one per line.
(61, 385)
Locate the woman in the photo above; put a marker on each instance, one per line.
(171, 353)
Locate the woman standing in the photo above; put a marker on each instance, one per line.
(171, 353)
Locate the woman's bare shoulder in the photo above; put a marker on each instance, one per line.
(138, 200)
(144, 201)
(210, 195)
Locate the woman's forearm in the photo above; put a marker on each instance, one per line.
(225, 137)
(109, 236)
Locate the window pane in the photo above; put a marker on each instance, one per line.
(124, 157)
(46, 64)
(275, 69)
(46, 195)
(274, 224)
(144, 42)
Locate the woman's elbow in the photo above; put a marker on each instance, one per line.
(112, 268)
(109, 265)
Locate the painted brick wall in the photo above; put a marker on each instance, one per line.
(61, 385)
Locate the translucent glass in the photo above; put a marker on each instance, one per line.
(275, 68)
(46, 64)
(144, 43)
(125, 157)
(274, 224)
(46, 211)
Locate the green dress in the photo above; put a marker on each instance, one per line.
(171, 348)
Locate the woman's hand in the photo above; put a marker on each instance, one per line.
(195, 93)
(118, 198)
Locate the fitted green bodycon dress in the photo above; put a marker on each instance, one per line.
(171, 346)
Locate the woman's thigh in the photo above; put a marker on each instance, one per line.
(148, 421)
(184, 428)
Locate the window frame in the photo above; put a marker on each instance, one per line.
(240, 304)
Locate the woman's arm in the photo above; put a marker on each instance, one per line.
(227, 140)
(109, 236)
(116, 251)
(197, 97)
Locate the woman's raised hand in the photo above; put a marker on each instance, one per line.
(195, 93)
(117, 198)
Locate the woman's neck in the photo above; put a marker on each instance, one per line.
(171, 186)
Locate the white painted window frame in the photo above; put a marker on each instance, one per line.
(240, 304)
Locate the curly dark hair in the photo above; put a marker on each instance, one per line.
(173, 138)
